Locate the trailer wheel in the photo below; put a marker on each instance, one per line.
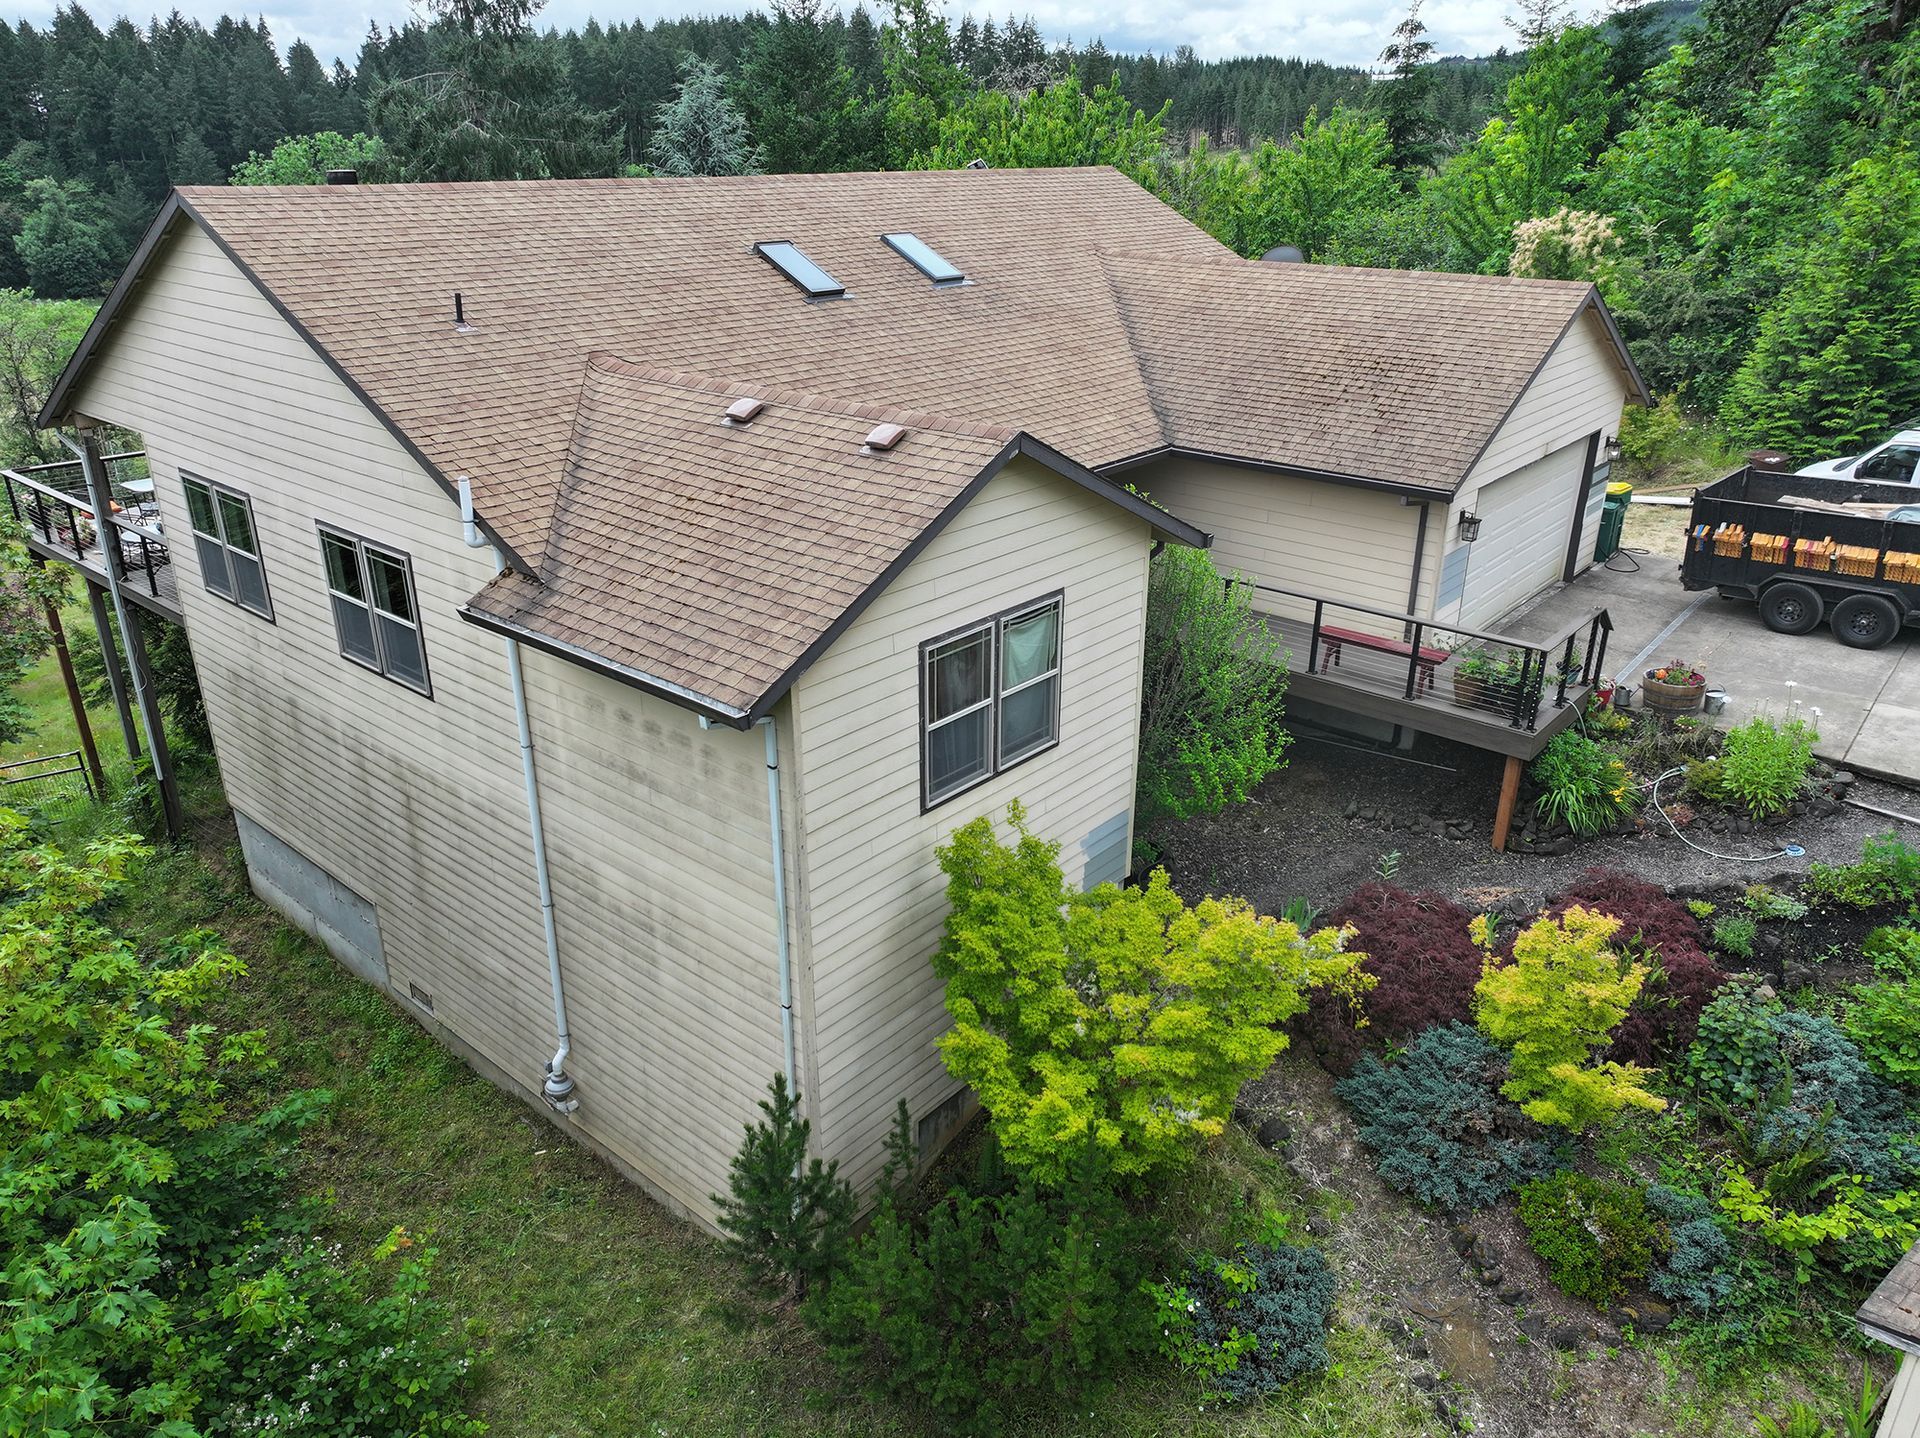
(1865, 621)
(1791, 609)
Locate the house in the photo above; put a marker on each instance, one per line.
(608, 593)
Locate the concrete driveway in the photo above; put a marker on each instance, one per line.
(1866, 704)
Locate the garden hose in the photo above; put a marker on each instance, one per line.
(1787, 851)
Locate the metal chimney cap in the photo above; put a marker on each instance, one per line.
(885, 436)
(742, 410)
(343, 177)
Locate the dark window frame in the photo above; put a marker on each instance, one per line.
(832, 290)
(952, 278)
(215, 492)
(361, 545)
(994, 626)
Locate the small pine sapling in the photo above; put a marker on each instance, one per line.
(1553, 1007)
(787, 1216)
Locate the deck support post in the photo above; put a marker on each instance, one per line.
(116, 676)
(1509, 792)
(81, 723)
(100, 493)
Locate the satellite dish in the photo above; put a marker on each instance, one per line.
(1285, 255)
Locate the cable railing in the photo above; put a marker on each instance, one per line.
(50, 501)
(1492, 676)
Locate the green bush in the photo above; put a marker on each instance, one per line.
(1437, 1125)
(991, 1298)
(1764, 764)
(1894, 949)
(1581, 784)
(1213, 691)
(1699, 1268)
(1736, 934)
(156, 1278)
(1706, 780)
(1119, 1019)
(1595, 1236)
(1766, 902)
(1888, 872)
(786, 1216)
(1884, 1020)
(1252, 1323)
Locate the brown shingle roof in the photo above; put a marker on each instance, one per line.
(1892, 1311)
(663, 272)
(1395, 375)
(712, 558)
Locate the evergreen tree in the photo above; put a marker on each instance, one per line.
(192, 163)
(799, 98)
(1404, 98)
(700, 131)
(787, 1216)
(863, 53)
(923, 82)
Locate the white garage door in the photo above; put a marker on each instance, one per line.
(1524, 521)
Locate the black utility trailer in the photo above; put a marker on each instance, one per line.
(1804, 564)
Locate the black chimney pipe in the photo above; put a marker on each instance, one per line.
(343, 177)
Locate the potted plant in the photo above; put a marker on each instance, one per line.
(1674, 688)
(1483, 679)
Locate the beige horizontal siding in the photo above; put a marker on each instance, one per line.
(1340, 541)
(877, 894)
(657, 830)
(1581, 388)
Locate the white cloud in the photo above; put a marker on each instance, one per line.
(1340, 31)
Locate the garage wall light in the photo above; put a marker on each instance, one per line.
(1469, 527)
(1611, 449)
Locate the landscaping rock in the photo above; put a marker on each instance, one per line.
(1274, 1133)
(1568, 1337)
(1534, 1327)
(1425, 1382)
(1844, 780)
(1463, 1238)
(1319, 1227)
(1513, 1296)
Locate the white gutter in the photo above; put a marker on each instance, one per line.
(556, 1084)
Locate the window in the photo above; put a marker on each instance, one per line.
(1892, 465)
(990, 698)
(791, 261)
(373, 608)
(229, 550)
(924, 258)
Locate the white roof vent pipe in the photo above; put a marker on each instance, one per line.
(469, 526)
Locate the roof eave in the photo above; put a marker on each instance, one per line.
(1269, 466)
(666, 689)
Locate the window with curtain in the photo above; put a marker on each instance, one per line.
(990, 698)
(223, 536)
(374, 611)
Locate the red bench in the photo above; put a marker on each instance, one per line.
(1333, 640)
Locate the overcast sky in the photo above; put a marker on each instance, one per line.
(1345, 31)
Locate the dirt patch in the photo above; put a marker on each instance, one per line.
(1470, 1313)
(1660, 530)
(1342, 811)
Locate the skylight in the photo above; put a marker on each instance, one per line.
(924, 258)
(788, 258)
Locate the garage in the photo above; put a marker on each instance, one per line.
(1525, 518)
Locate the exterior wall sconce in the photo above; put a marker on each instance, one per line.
(1469, 527)
(1611, 449)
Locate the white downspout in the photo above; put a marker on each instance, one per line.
(783, 947)
(557, 1084)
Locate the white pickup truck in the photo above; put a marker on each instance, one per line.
(1894, 462)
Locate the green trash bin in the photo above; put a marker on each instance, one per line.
(1613, 519)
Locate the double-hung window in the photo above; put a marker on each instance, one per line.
(374, 611)
(229, 549)
(990, 697)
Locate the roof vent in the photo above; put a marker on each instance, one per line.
(742, 410)
(978, 165)
(460, 325)
(885, 436)
(1285, 255)
(343, 177)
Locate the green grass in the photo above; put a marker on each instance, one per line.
(51, 714)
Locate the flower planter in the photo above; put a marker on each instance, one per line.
(1476, 691)
(1673, 696)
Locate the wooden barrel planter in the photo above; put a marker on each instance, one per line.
(1673, 695)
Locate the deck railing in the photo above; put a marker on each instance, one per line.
(1494, 676)
(51, 502)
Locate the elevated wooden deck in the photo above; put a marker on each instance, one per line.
(51, 504)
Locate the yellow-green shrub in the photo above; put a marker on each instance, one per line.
(1553, 1006)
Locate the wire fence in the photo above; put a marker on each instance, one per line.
(46, 778)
